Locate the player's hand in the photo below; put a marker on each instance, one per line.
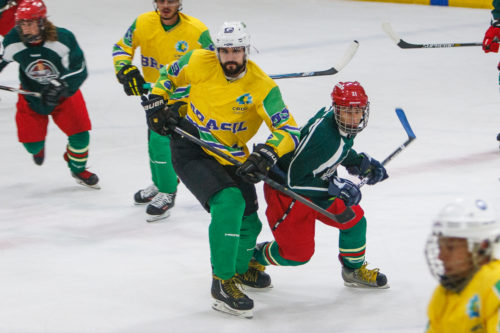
(173, 116)
(369, 167)
(345, 190)
(156, 113)
(53, 92)
(260, 161)
(492, 37)
(132, 80)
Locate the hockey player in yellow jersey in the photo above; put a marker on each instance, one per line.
(462, 253)
(228, 98)
(164, 35)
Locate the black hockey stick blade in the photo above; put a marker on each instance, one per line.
(411, 136)
(347, 215)
(405, 45)
(20, 91)
(348, 55)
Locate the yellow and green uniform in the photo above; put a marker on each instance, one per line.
(474, 310)
(226, 113)
(160, 45)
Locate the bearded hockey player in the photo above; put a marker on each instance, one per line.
(52, 64)
(228, 98)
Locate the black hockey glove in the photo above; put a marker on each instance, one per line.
(173, 116)
(345, 190)
(132, 80)
(260, 161)
(369, 167)
(53, 92)
(156, 113)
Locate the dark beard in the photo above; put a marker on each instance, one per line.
(232, 72)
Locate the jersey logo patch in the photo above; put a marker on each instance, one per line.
(245, 99)
(42, 71)
(473, 307)
(181, 46)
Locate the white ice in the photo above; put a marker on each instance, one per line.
(77, 260)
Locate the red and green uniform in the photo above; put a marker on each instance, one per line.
(38, 64)
(307, 170)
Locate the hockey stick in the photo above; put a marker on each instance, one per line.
(351, 51)
(405, 45)
(411, 136)
(347, 215)
(21, 92)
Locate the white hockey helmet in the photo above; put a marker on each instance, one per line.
(474, 220)
(233, 34)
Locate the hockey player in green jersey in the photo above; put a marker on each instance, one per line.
(311, 170)
(163, 35)
(228, 98)
(52, 64)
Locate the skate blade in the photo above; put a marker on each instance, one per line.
(364, 286)
(156, 218)
(95, 186)
(223, 307)
(244, 287)
(141, 203)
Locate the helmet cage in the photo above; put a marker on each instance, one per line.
(349, 127)
(31, 10)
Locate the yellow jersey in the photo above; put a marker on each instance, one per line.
(227, 113)
(160, 45)
(474, 310)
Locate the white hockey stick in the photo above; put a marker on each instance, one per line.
(20, 91)
(348, 55)
(405, 45)
(9, 5)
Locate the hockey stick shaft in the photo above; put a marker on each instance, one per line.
(344, 217)
(348, 55)
(8, 6)
(411, 136)
(20, 91)
(405, 45)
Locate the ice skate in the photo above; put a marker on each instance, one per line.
(160, 206)
(87, 178)
(39, 157)
(364, 278)
(255, 278)
(145, 196)
(230, 299)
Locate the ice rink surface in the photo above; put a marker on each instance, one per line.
(77, 260)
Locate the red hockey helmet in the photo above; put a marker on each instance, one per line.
(31, 10)
(349, 98)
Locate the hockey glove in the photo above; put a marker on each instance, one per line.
(132, 80)
(258, 163)
(491, 37)
(53, 92)
(156, 113)
(345, 190)
(173, 116)
(369, 167)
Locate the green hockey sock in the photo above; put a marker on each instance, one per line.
(34, 147)
(78, 151)
(250, 229)
(352, 245)
(226, 208)
(160, 162)
(269, 254)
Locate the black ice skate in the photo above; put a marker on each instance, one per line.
(39, 157)
(87, 178)
(364, 278)
(160, 206)
(255, 278)
(230, 299)
(145, 196)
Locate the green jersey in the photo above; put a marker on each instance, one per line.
(496, 9)
(38, 64)
(322, 148)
